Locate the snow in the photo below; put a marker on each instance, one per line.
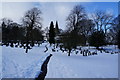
(77, 66)
(17, 64)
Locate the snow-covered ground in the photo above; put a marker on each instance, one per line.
(77, 66)
(17, 64)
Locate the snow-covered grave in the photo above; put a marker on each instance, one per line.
(17, 64)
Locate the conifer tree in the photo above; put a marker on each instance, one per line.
(56, 29)
(51, 33)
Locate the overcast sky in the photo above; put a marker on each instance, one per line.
(60, 0)
(53, 11)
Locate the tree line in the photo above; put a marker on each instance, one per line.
(100, 29)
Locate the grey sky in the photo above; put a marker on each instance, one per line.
(52, 11)
(59, 0)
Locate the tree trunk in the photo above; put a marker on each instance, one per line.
(26, 50)
(69, 52)
(27, 40)
(26, 47)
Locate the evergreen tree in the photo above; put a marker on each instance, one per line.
(52, 34)
(57, 32)
(56, 29)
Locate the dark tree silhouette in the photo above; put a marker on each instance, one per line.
(37, 36)
(97, 39)
(113, 31)
(31, 20)
(51, 33)
(70, 40)
(76, 28)
(118, 39)
(4, 31)
(11, 32)
(6, 26)
(102, 20)
(57, 31)
(78, 22)
(74, 18)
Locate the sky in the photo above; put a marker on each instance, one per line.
(53, 11)
(59, 0)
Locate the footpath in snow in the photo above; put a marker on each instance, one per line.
(17, 64)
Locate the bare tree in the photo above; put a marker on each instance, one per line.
(32, 19)
(6, 21)
(74, 18)
(78, 27)
(113, 31)
(102, 20)
(79, 22)
(87, 27)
